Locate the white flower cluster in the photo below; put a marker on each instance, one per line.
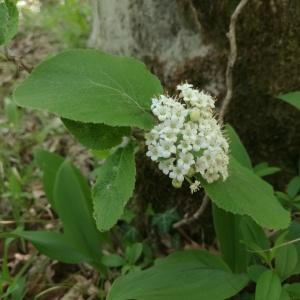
(188, 139)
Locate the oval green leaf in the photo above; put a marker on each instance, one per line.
(92, 87)
(193, 275)
(49, 163)
(73, 202)
(96, 136)
(237, 149)
(114, 186)
(227, 227)
(245, 193)
(268, 286)
(286, 260)
(55, 245)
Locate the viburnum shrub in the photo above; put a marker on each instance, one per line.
(101, 99)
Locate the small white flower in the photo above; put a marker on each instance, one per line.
(201, 165)
(200, 143)
(184, 86)
(189, 132)
(187, 95)
(162, 112)
(174, 124)
(153, 152)
(155, 103)
(186, 160)
(202, 100)
(166, 165)
(151, 138)
(211, 176)
(185, 146)
(180, 112)
(178, 173)
(166, 148)
(195, 186)
(169, 135)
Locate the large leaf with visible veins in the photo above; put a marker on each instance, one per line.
(245, 193)
(91, 86)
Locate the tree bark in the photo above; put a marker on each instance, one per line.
(165, 34)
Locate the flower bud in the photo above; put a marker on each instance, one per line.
(176, 183)
(195, 115)
(191, 172)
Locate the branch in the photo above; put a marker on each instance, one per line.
(195, 216)
(229, 87)
(231, 59)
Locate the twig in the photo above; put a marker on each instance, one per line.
(16, 61)
(195, 216)
(276, 247)
(229, 87)
(231, 59)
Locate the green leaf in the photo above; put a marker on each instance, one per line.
(112, 260)
(189, 275)
(245, 193)
(80, 240)
(293, 289)
(114, 186)
(237, 149)
(11, 112)
(293, 187)
(96, 136)
(49, 163)
(268, 286)
(133, 253)
(294, 235)
(54, 245)
(255, 271)
(284, 198)
(227, 227)
(263, 169)
(279, 239)
(90, 86)
(286, 259)
(3, 22)
(292, 98)
(16, 289)
(9, 19)
(251, 232)
(163, 221)
(284, 295)
(74, 206)
(296, 199)
(255, 239)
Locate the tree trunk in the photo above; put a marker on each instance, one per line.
(164, 34)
